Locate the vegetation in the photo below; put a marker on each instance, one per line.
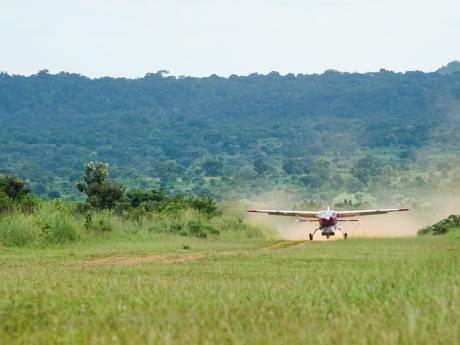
(229, 138)
(451, 67)
(152, 254)
(150, 288)
(15, 195)
(450, 224)
(54, 223)
(108, 209)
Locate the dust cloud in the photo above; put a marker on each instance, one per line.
(400, 224)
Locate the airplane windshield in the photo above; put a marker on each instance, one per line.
(327, 213)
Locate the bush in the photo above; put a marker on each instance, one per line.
(14, 195)
(99, 226)
(203, 204)
(56, 223)
(13, 187)
(442, 227)
(59, 231)
(199, 229)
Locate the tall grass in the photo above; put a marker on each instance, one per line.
(54, 223)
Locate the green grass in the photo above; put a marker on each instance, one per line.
(241, 291)
(52, 223)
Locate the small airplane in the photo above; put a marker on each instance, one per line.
(328, 219)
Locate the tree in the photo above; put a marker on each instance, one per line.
(260, 166)
(101, 194)
(452, 67)
(95, 173)
(311, 180)
(14, 193)
(54, 195)
(365, 168)
(294, 166)
(13, 187)
(212, 168)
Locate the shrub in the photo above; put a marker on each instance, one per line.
(175, 227)
(99, 226)
(58, 230)
(15, 195)
(13, 187)
(197, 228)
(205, 205)
(442, 227)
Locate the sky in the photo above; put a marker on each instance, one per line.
(122, 38)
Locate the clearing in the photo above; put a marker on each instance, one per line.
(152, 291)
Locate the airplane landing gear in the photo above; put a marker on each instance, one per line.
(310, 236)
(345, 236)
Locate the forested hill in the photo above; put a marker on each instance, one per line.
(316, 135)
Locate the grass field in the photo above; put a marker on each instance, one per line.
(150, 290)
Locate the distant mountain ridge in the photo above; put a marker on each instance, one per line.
(224, 136)
(451, 67)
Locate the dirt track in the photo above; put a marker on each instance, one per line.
(126, 260)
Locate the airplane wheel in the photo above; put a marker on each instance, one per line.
(345, 236)
(311, 237)
(327, 237)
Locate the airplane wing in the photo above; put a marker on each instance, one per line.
(356, 213)
(305, 214)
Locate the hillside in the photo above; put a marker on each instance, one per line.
(317, 135)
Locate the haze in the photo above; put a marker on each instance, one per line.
(202, 37)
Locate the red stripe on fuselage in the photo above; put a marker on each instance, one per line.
(328, 221)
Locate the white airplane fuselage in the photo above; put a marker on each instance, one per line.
(328, 223)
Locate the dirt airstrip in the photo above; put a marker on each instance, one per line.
(133, 260)
(136, 260)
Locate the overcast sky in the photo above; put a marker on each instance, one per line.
(200, 37)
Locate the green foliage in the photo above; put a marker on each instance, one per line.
(160, 201)
(13, 187)
(212, 168)
(365, 168)
(451, 223)
(6, 203)
(56, 223)
(18, 230)
(58, 230)
(99, 226)
(200, 229)
(100, 193)
(295, 166)
(104, 196)
(136, 204)
(227, 137)
(46, 226)
(206, 205)
(15, 195)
